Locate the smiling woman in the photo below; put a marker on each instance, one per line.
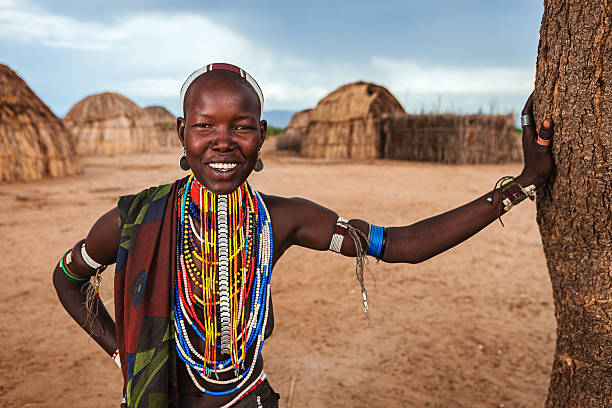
(194, 258)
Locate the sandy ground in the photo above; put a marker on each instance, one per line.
(473, 327)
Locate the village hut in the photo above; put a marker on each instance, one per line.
(110, 123)
(456, 139)
(291, 138)
(34, 142)
(165, 126)
(350, 123)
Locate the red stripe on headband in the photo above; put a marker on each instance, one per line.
(226, 67)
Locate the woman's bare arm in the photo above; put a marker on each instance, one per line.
(312, 226)
(101, 244)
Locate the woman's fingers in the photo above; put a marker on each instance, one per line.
(529, 134)
(546, 133)
(528, 109)
(529, 131)
(547, 129)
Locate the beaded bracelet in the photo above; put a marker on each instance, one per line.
(510, 194)
(375, 241)
(67, 271)
(338, 236)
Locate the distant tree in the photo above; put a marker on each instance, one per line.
(574, 87)
(272, 130)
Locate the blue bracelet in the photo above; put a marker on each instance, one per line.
(375, 241)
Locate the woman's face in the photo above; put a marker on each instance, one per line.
(221, 131)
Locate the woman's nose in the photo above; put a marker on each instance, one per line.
(222, 139)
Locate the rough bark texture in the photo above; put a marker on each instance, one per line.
(574, 87)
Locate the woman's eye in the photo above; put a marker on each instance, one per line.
(243, 127)
(202, 125)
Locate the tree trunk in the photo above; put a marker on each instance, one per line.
(574, 87)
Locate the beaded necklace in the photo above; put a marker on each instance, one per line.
(234, 246)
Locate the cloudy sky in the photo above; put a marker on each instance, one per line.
(438, 55)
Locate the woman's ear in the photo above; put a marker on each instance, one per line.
(180, 129)
(263, 130)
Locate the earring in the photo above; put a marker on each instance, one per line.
(183, 163)
(259, 165)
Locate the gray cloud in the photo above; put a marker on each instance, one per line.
(424, 52)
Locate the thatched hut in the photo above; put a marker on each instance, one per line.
(456, 139)
(349, 122)
(110, 123)
(33, 141)
(291, 138)
(165, 124)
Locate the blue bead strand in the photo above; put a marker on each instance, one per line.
(375, 241)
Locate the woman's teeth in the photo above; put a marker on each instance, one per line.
(223, 166)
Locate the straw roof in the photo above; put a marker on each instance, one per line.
(111, 123)
(348, 123)
(356, 101)
(300, 120)
(161, 115)
(291, 138)
(34, 143)
(165, 124)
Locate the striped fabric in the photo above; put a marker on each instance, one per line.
(145, 336)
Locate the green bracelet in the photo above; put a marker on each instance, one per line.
(68, 273)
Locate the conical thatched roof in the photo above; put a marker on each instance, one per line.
(291, 138)
(300, 119)
(34, 142)
(165, 122)
(110, 123)
(349, 122)
(101, 106)
(161, 115)
(356, 101)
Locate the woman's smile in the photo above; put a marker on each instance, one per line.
(224, 167)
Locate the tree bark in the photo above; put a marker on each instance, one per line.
(574, 87)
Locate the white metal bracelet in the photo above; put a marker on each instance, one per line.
(93, 264)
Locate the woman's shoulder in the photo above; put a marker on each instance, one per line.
(291, 210)
(276, 203)
(156, 189)
(130, 205)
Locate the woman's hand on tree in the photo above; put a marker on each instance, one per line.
(538, 162)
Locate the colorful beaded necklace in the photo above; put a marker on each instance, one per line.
(234, 247)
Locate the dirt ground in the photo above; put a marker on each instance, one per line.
(473, 327)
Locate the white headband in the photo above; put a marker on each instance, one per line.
(225, 67)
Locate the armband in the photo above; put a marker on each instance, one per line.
(64, 261)
(338, 236)
(376, 240)
(90, 262)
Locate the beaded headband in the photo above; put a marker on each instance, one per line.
(226, 67)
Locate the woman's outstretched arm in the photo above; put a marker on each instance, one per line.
(434, 235)
(313, 225)
(71, 281)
